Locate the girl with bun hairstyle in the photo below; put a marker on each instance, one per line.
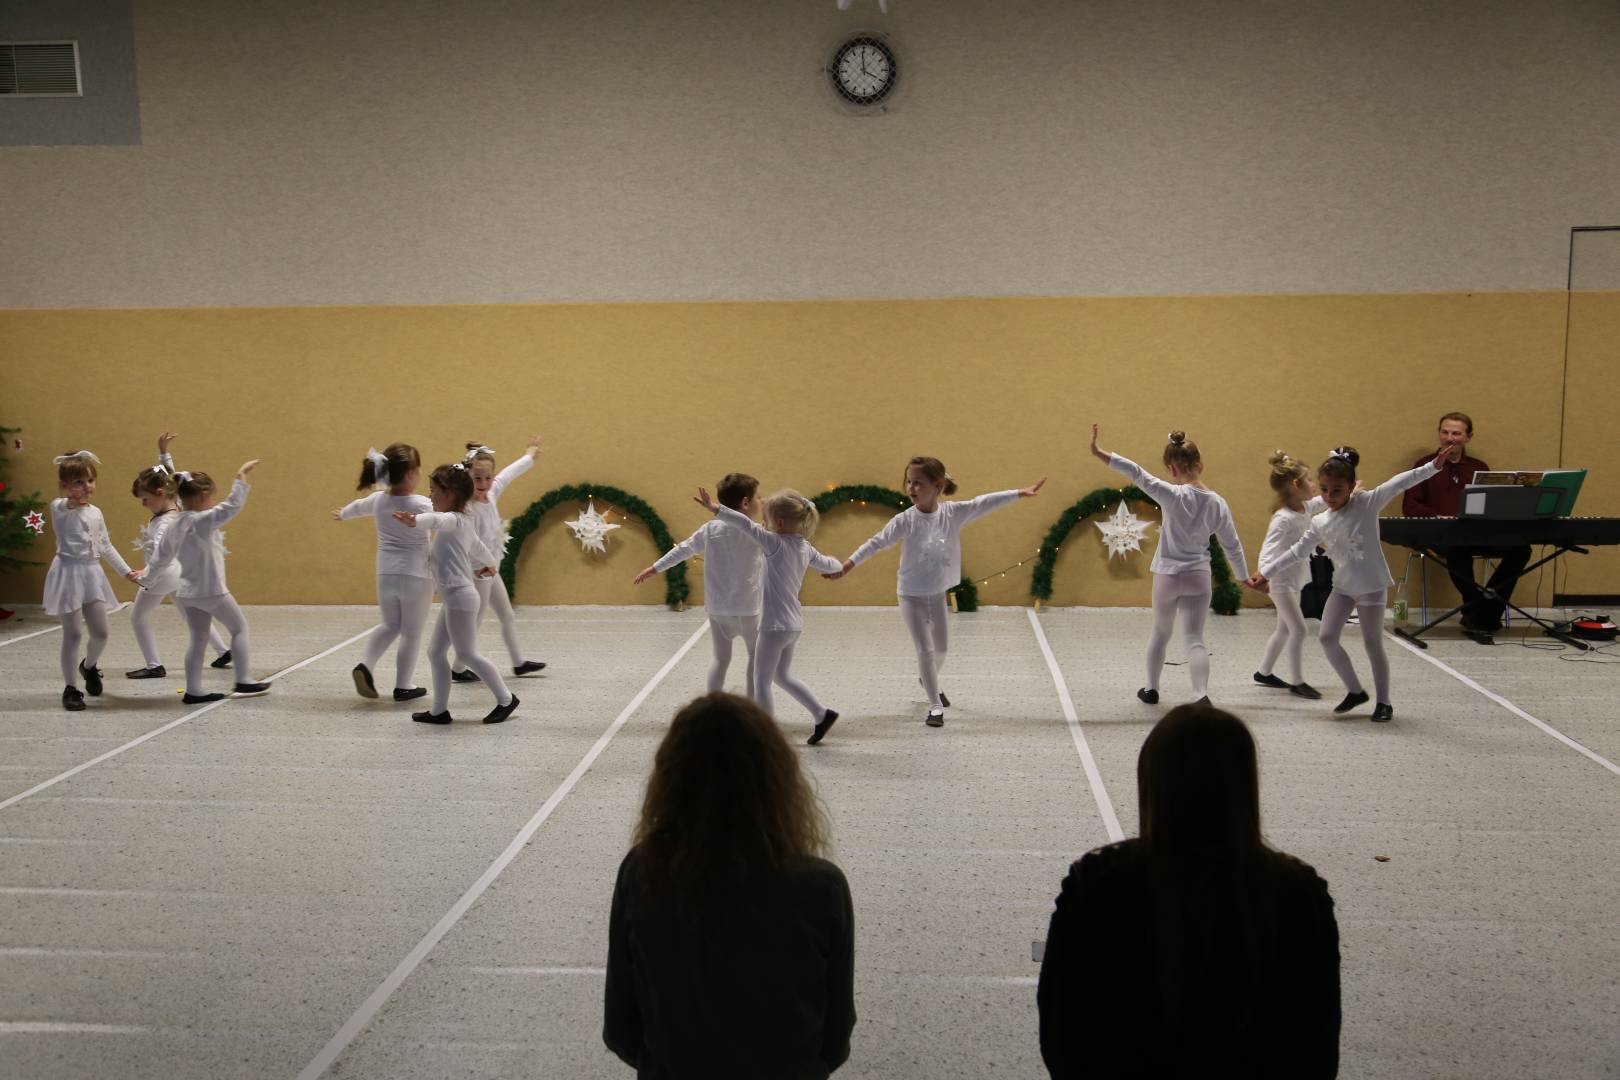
(196, 543)
(155, 488)
(404, 582)
(1296, 502)
(1189, 513)
(486, 515)
(458, 558)
(790, 521)
(930, 562)
(1348, 528)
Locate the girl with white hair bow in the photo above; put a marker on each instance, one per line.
(76, 589)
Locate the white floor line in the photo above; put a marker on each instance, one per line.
(369, 1008)
(1423, 654)
(154, 733)
(1105, 806)
(58, 626)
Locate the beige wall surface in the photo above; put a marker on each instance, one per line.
(658, 398)
(529, 151)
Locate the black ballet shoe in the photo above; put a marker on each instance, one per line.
(223, 660)
(1305, 690)
(201, 699)
(156, 671)
(935, 718)
(72, 699)
(1270, 680)
(529, 667)
(92, 679)
(464, 675)
(1149, 696)
(250, 689)
(499, 713)
(1203, 700)
(828, 719)
(1351, 701)
(364, 684)
(409, 695)
(1384, 713)
(431, 717)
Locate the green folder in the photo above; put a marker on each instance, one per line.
(1558, 490)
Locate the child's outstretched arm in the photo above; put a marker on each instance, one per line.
(164, 457)
(1096, 451)
(696, 544)
(520, 465)
(1385, 493)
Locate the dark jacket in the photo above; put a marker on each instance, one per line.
(1102, 1010)
(765, 989)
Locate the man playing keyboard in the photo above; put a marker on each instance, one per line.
(1441, 496)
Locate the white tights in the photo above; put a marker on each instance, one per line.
(925, 618)
(458, 626)
(772, 658)
(94, 616)
(404, 601)
(1370, 606)
(1290, 634)
(200, 613)
(140, 621)
(492, 594)
(723, 629)
(1188, 595)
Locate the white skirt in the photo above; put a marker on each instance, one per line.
(70, 584)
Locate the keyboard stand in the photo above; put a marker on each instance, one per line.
(1550, 629)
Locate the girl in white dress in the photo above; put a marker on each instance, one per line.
(458, 558)
(404, 582)
(486, 515)
(733, 577)
(790, 521)
(195, 543)
(1189, 514)
(1297, 501)
(1348, 528)
(930, 562)
(76, 588)
(155, 489)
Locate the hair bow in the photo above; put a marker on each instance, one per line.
(458, 465)
(63, 459)
(183, 477)
(379, 465)
(475, 451)
(1338, 452)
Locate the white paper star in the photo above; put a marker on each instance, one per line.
(1124, 532)
(590, 529)
(36, 521)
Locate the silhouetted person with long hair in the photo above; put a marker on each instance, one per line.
(731, 945)
(1195, 949)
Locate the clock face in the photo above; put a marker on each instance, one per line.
(863, 70)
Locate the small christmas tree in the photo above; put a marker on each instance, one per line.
(15, 532)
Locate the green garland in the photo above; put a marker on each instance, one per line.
(14, 508)
(1227, 596)
(675, 588)
(860, 493)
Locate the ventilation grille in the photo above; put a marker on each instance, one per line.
(39, 69)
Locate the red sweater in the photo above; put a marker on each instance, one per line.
(1441, 494)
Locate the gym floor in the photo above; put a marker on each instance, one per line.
(309, 884)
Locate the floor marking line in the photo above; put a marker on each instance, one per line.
(1105, 806)
(58, 626)
(59, 1027)
(154, 733)
(369, 1008)
(1422, 654)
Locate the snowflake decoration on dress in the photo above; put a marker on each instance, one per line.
(1345, 548)
(36, 521)
(1124, 531)
(591, 529)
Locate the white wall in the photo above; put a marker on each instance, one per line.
(412, 151)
